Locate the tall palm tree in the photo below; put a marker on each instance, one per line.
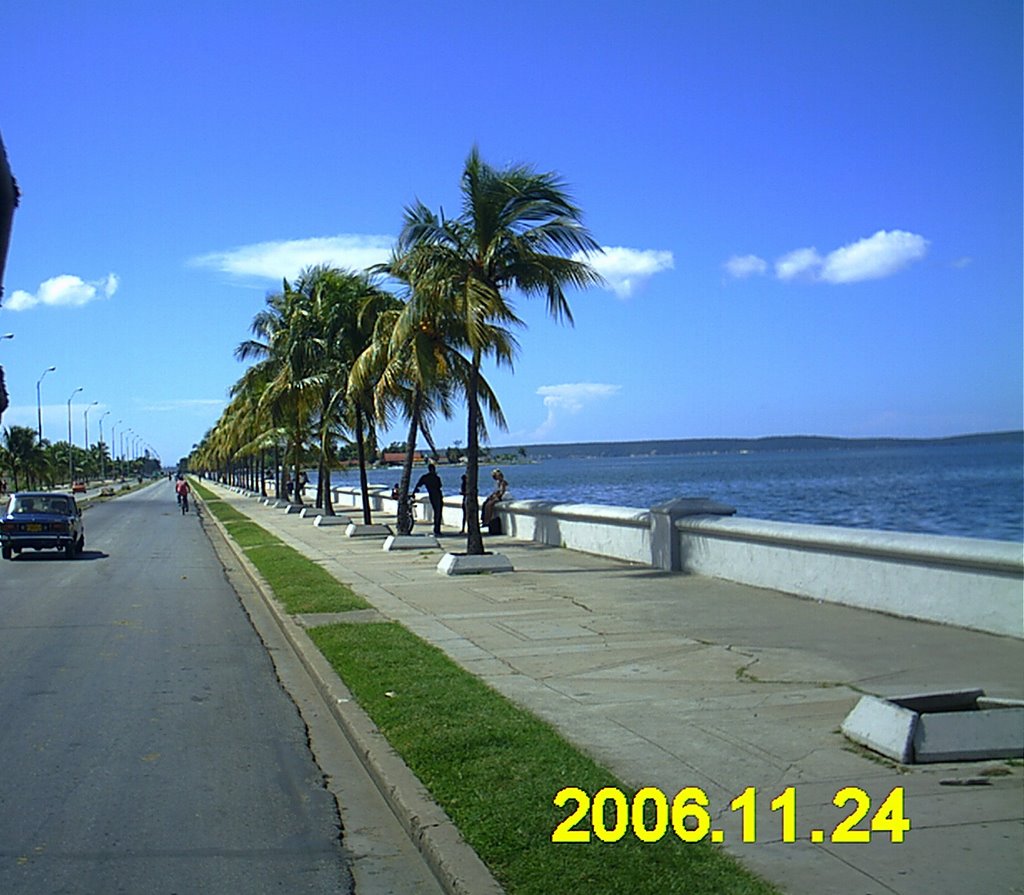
(417, 363)
(342, 306)
(517, 229)
(282, 347)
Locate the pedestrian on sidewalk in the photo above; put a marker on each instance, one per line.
(432, 482)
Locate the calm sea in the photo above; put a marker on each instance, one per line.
(964, 489)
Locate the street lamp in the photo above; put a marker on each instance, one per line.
(85, 416)
(113, 444)
(71, 460)
(103, 448)
(39, 401)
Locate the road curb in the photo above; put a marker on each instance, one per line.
(457, 867)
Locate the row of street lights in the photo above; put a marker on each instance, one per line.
(135, 442)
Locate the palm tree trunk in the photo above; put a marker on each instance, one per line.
(404, 504)
(296, 469)
(364, 485)
(474, 537)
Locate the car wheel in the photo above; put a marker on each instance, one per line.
(7, 554)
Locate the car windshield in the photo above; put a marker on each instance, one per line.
(40, 503)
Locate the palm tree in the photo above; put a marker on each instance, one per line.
(282, 349)
(517, 229)
(342, 306)
(23, 455)
(416, 361)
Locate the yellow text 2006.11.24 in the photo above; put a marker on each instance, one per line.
(610, 814)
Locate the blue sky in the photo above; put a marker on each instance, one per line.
(812, 211)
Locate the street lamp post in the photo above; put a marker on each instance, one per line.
(103, 449)
(85, 416)
(71, 456)
(39, 402)
(113, 444)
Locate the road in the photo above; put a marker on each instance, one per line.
(147, 744)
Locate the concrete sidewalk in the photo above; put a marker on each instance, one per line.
(672, 680)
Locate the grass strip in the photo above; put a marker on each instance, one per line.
(495, 769)
(298, 583)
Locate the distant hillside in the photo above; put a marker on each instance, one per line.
(734, 445)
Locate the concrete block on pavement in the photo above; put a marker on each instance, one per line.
(322, 521)
(410, 542)
(970, 736)
(361, 530)
(882, 726)
(464, 564)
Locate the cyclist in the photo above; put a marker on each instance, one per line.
(183, 491)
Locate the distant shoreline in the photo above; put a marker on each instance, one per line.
(680, 446)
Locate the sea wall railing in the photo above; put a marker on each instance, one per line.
(967, 582)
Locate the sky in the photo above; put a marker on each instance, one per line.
(811, 213)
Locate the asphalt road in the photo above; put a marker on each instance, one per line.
(146, 744)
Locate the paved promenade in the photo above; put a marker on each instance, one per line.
(672, 680)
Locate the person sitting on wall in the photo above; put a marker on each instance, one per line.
(488, 517)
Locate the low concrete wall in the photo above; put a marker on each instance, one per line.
(620, 532)
(958, 581)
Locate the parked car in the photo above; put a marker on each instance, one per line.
(41, 520)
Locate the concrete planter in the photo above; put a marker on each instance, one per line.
(410, 542)
(361, 530)
(325, 521)
(464, 564)
(955, 726)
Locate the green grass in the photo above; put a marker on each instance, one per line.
(298, 583)
(495, 770)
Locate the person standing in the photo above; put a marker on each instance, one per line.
(432, 482)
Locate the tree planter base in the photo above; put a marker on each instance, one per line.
(310, 512)
(410, 542)
(361, 530)
(293, 509)
(464, 564)
(321, 521)
(960, 725)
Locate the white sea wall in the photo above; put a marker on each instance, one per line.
(619, 532)
(966, 582)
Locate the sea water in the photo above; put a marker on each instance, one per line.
(966, 489)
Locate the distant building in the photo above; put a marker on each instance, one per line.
(398, 459)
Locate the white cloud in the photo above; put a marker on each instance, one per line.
(798, 263)
(878, 256)
(742, 266)
(627, 270)
(571, 398)
(64, 290)
(285, 258)
(885, 253)
(183, 404)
